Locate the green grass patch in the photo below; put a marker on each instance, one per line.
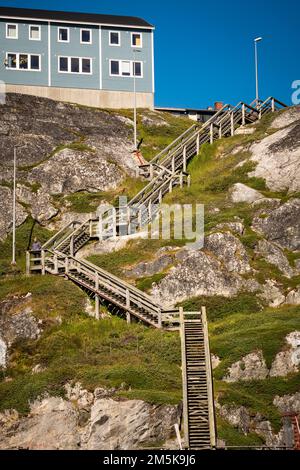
(109, 353)
(258, 396)
(234, 336)
(234, 437)
(145, 283)
(222, 307)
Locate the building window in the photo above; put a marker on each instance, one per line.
(86, 66)
(63, 64)
(114, 38)
(75, 68)
(63, 34)
(11, 61)
(114, 67)
(136, 40)
(30, 62)
(137, 69)
(126, 68)
(76, 65)
(12, 31)
(86, 36)
(34, 33)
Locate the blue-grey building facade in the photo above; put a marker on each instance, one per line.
(97, 60)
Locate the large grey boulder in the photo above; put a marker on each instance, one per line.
(42, 208)
(251, 367)
(241, 193)
(271, 294)
(274, 255)
(71, 171)
(230, 250)
(286, 118)
(278, 159)
(293, 297)
(282, 225)
(287, 361)
(199, 274)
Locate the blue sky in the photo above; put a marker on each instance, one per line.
(204, 50)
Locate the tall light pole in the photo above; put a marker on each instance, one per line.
(134, 94)
(256, 41)
(13, 262)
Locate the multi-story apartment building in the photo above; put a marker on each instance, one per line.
(90, 59)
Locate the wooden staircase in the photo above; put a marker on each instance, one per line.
(165, 171)
(199, 420)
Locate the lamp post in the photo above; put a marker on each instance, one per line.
(256, 41)
(13, 262)
(135, 103)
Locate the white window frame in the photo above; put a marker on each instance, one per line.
(60, 40)
(29, 69)
(80, 65)
(131, 39)
(17, 30)
(34, 26)
(91, 36)
(131, 68)
(119, 35)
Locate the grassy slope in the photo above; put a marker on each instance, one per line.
(97, 354)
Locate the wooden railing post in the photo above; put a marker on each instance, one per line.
(181, 180)
(273, 105)
(151, 171)
(159, 318)
(243, 114)
(67, 265)
(232, 123)
(184, 158)
(55, 259)
(220, 131)
(72, 246)
(43, 262)
(198, 143)
(97, 299)
(171, 186)
(27, 263)
(128, 316)
(189, 181)
(173, 165)
(211, 133)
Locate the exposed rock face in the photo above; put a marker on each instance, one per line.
(162, 261)
(42, 208)
(287, 361)
(286, 118)
(199, 274)
(288, 403)
(88, 420)
(242, 193)
(236, 227)
(251, 367)
(271, 294)
(282, 225)
(240, 418)
(215, 361)
(278, 159)
(69, 172)
(229, 250)
(6, 199)
(293, 297)
(99, 160)
(274, 255)
(16, 322)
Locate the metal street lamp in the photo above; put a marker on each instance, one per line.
(256, 41)
(134, 93)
